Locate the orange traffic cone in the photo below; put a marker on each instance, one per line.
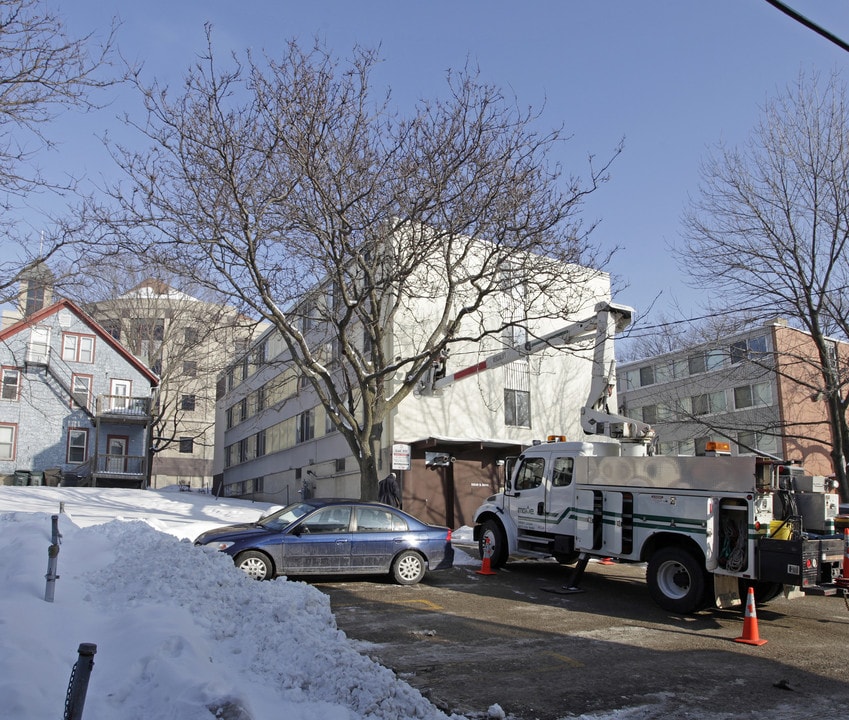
(750, 623)
(486, 562)
(606, 561)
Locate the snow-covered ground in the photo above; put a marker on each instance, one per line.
(180, 633)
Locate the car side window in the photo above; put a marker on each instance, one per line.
(561, 475)
(333, 519)
(378, 520)
(530, 473)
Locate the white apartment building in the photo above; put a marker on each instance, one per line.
(274, 441)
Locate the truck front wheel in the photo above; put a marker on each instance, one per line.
(493, 535)
(677, 580)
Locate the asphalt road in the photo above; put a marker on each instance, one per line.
(469, 641)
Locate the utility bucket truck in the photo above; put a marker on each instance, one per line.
(708, 527)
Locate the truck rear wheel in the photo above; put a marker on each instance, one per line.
(677, 581)
(764, 591)
(493, 534)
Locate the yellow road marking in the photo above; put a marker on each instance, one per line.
(571, 662)
(427, 603)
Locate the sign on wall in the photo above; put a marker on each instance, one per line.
(400, 457)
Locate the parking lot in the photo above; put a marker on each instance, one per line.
(469, 641)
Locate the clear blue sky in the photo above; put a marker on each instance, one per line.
(671, 77)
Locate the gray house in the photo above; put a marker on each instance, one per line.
(75, 403)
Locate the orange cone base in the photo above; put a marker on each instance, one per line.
(486, 568)
(750, 641)
(606, 561)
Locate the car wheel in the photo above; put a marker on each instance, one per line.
(493, 534)
(255, 564)
(408, 568)
(676, 580)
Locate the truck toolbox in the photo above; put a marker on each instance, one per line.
(807, 563)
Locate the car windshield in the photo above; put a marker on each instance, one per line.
(285, 517)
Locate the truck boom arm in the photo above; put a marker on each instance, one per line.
(597, 417)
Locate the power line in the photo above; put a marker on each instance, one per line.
(790, 12)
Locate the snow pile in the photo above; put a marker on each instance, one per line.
(180, 633)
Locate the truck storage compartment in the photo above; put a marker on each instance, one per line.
(806, 563)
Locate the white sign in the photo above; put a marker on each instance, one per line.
(400, 457)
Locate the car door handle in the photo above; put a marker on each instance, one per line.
(341, 541)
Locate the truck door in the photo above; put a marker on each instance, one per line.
(527, 494)
(559, 506)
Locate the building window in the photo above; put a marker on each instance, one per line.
(229, 418)
(708, 403)
(8, 435)
(517, 394)
(748, 349)
(187, 402)
(648, 413)
(187, 445)
(368, 346)
(757, 395)
(114, 329)
(81, 390)
(260, 443)
(749, 443)
(34, 298)
(77, 445)
(259, 354)
(646, 376)
(190, 335)
(306, 426)
(11, 384)
(190, 368)
(77, 348)
(696, 364)
(340, 465)
(159, 330)
(517, 408)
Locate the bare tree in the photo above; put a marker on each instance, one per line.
(768, 233)
(320, 209)
(43, 72)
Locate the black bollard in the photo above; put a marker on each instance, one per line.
(78, 686)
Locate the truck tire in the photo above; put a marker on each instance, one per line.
(764, 591)
(677, 581)
(492, 531)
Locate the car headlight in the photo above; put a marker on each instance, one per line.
(221, 545)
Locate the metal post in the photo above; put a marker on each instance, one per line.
(78, 685)
(52, 561)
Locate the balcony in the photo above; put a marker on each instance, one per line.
(123, 409)
(37, 354)
(120, 470)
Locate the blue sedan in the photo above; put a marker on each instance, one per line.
(335, 537)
